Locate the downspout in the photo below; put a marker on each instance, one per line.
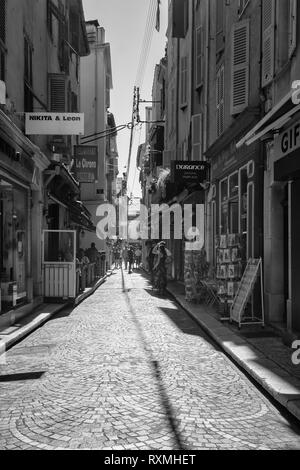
(207, 208)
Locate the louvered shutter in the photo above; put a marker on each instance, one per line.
(220, 92)
(3, 20)
(197, 137)
(240, 67)
(268, 40)
(57, 93)
(219, 25)
(293, 10)
(184, 71)
(199, 57)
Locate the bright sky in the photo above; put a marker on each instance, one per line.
(125, 22)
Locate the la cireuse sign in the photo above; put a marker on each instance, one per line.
(189, 172)
(54, 124)
(86, 163)
(287, 141)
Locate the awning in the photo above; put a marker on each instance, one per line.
(59, 170)
(279, 115)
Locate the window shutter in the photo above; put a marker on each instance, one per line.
(220, 92)
(183, 80)
(292, 26)
(240, 67)
(197, 137)
(199, 57)
(57, 93)
(268, 40)
(3, 20)
(178, 19)
(219, 25)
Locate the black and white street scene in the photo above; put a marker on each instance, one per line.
(149, 227)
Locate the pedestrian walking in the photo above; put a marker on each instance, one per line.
(138, 257)
(130, 259)
(162, 259)
(125, 256)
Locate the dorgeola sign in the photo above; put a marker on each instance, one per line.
(86, 163)
(185, 172)
(54, 124)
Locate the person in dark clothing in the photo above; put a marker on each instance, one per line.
(130, 259)
(163, 257)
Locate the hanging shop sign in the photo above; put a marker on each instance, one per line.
(54, 124)
(287, 141)
(86, 163)
(184, 172)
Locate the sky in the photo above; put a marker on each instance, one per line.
(125, 23)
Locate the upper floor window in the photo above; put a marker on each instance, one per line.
(199, 69)
(268, 41)
(28, 76)
(220, 94)
(219, 26)
(184, 81)
(240, 67)
(180, 18)
(2, 38)
(242, 6)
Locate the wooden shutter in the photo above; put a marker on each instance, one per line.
(219, 25)
(268, 41)
(184, 70)
(57, 93)
(293, 11)
(3, 20)
(220, 92)
(178, 19)
(199, 56)
(197, 137)
(240, 67)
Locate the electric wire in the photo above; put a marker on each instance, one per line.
(148, 49)
(145, 40)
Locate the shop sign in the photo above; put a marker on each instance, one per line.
(86, 163)
(54, 124)
(287, 141)
(184, 172)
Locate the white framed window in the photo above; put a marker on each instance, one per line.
(220, 94)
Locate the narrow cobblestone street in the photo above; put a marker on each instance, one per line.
(128, 369)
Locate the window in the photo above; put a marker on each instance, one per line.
(180, 18)
(242, 6)
(2, 38)
(28, 76)
(57, 93)
(268, 41)
(224, 207)
(293, 12)
(219, 26)
(199, 69)
(240, 67)
(220, 92)
(197, 137)
(184, 80)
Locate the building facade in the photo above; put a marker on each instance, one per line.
(40, 46)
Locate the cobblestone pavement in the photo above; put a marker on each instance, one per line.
(128, 369)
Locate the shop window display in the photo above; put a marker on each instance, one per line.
(13, 243)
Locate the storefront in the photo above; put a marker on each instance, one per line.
(280, 131)
(14, 249)
(235, 221)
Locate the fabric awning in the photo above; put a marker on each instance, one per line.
(272, 122)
